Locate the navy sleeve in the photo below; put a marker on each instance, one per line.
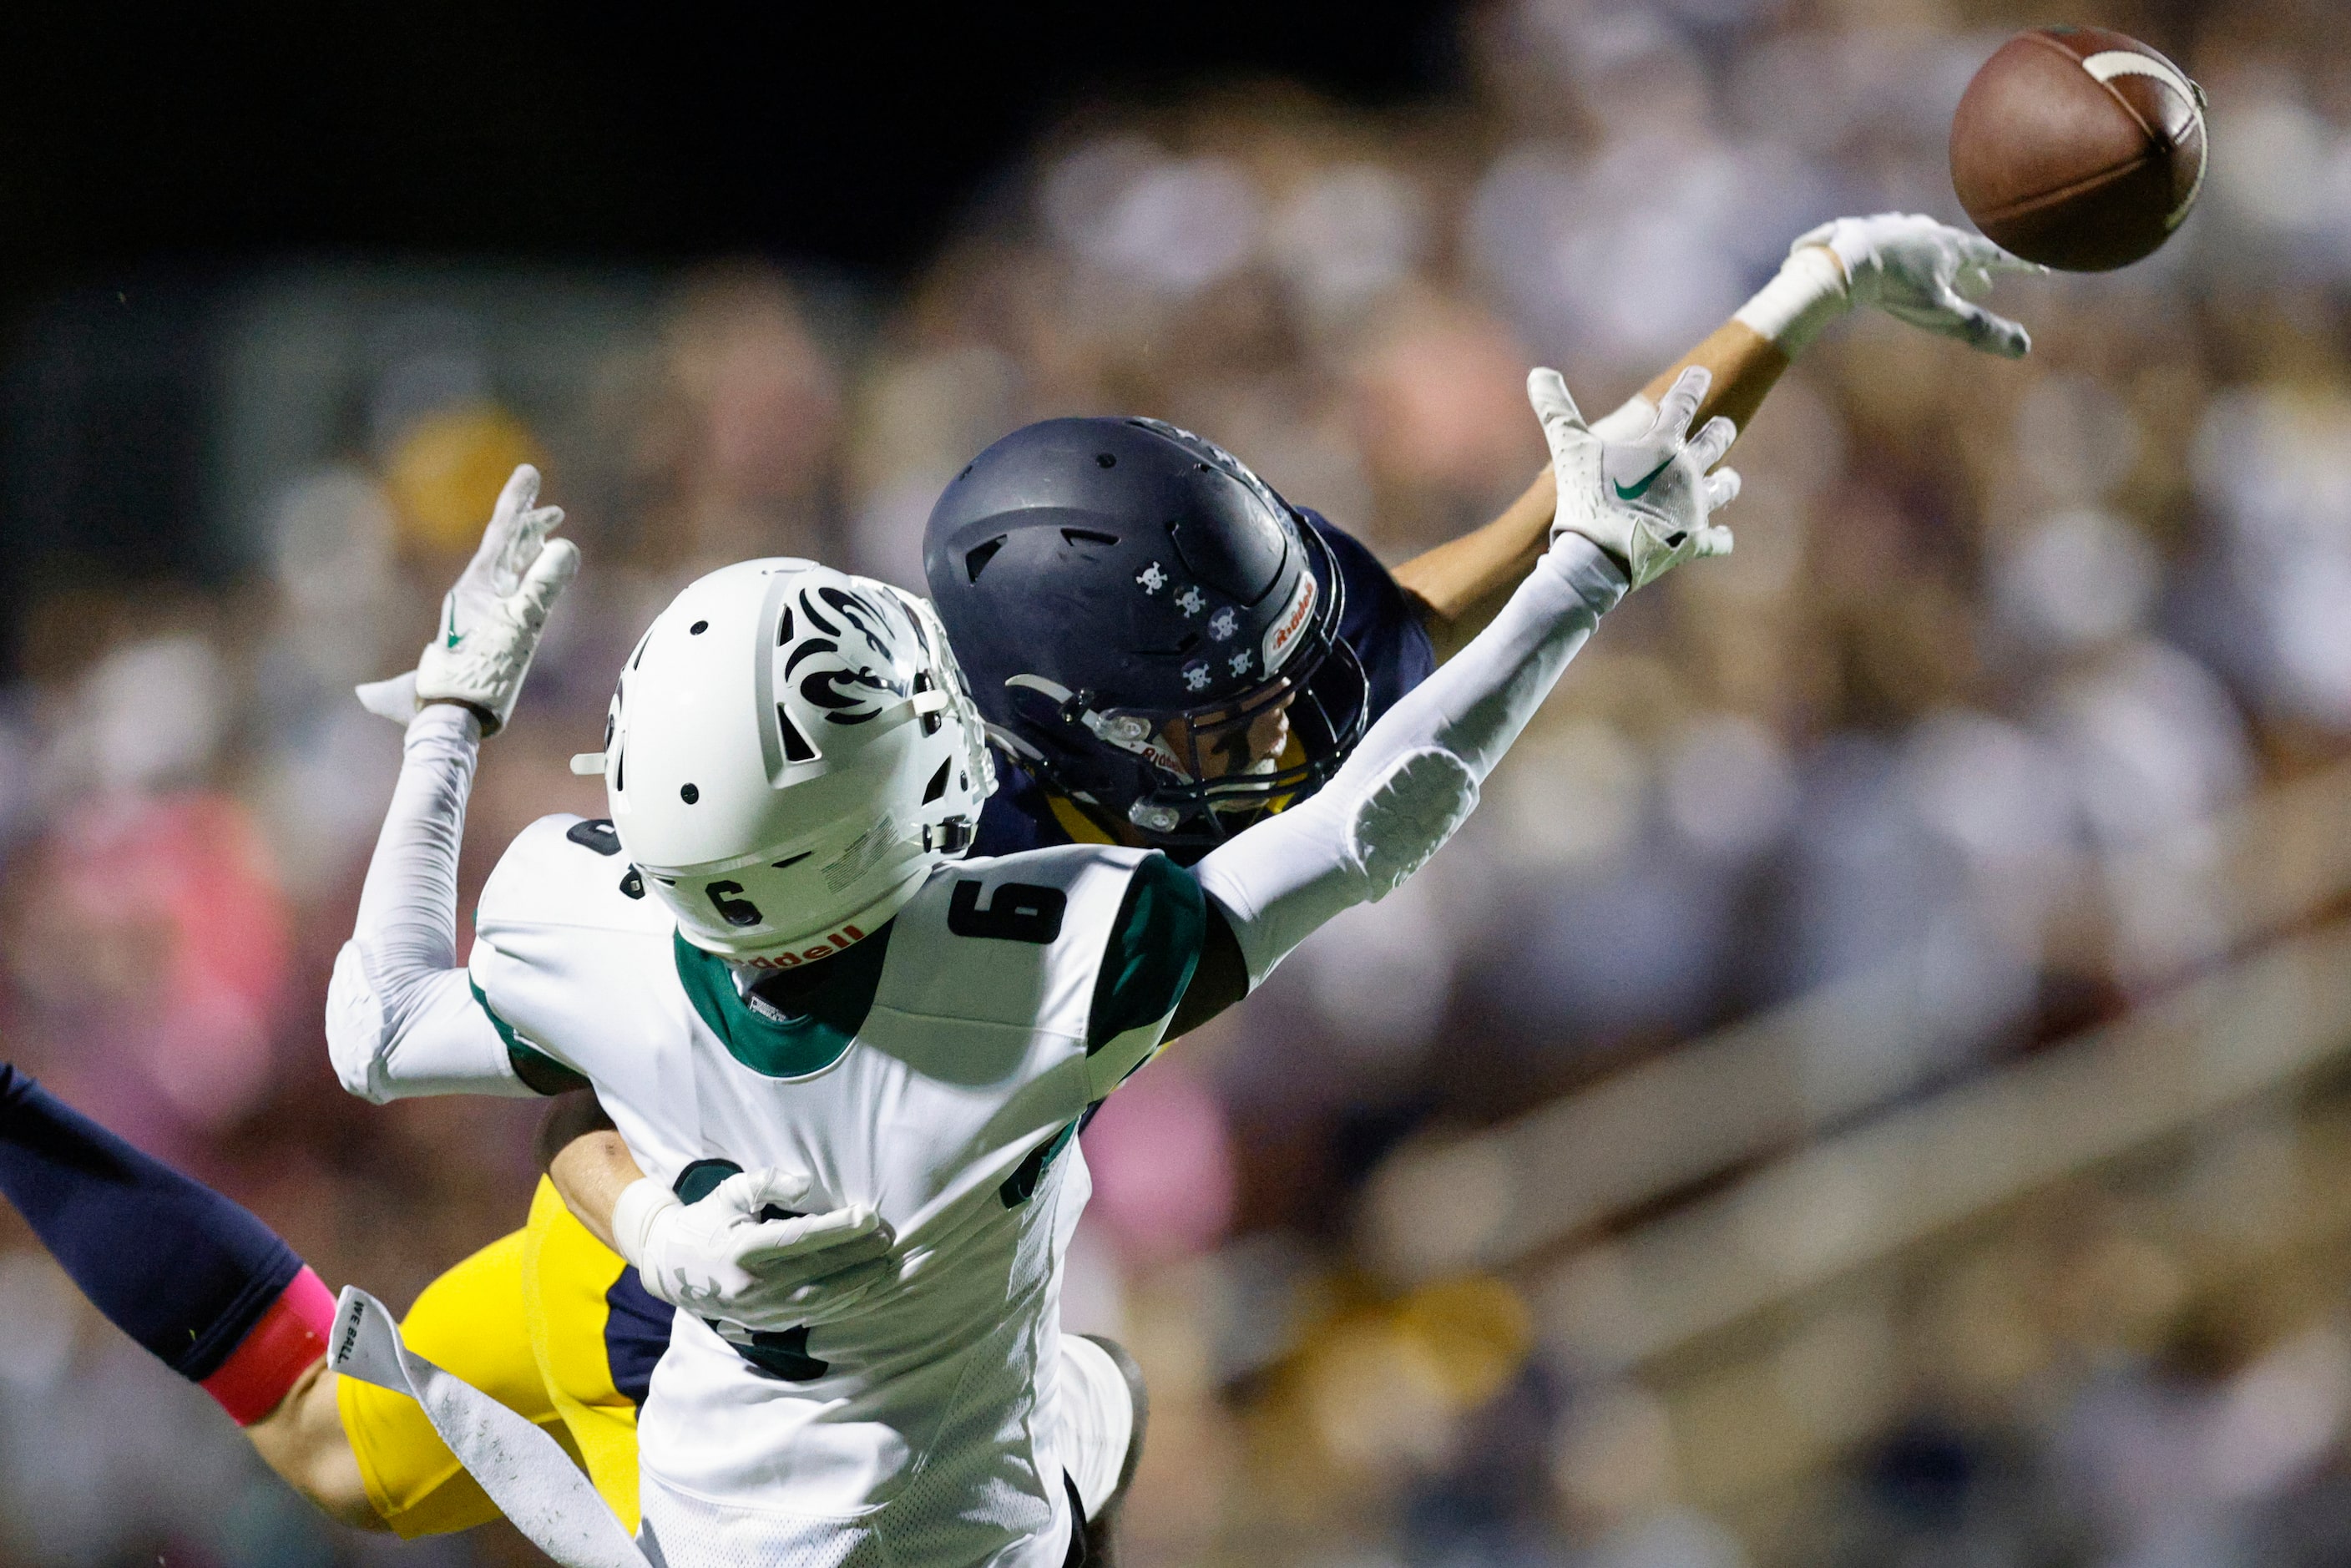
(170, 1262)
(1017, 817)
(1380, 623)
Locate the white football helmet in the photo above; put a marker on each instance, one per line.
(792, 751)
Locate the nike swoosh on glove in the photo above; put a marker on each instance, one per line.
(491, 620)
(1645, 501)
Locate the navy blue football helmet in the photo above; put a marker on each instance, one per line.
(1129, 601)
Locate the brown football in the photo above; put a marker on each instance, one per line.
(2078, 148)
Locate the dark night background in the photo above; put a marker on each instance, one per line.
(153, 156)
(127, 137)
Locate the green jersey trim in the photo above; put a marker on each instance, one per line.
(1152, 951)
(1022, 1185)
(831, 1010)
(539, 1072)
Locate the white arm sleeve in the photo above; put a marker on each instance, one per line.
(1415, 776)
(400, 1015)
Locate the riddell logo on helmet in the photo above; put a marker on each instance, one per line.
(1283, 633)
(833, 943)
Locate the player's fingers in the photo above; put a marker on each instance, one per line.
(1820, 236)
(1720, 488)
(819, 1232)
(1713, 541)
(778, 1186)
(522, 489)
(544, 583)
(1983, 253)
(523, 542)
(1547, 392)
(853, 1253)
(738, 1194)
(1980, 328)
(776, 1239)
(533, 526)
(835, 1296)
(813, 1249)
(845, 1286)
(781, 1302)
(1680, 404)
(1982, 262)
(1628, 421)
(1709, 447)
(850, 1263)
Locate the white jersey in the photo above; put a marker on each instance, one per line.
(926, 1430)
(915, 1431)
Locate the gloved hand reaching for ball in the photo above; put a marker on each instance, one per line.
(1915, 269)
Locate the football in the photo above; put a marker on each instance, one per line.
(2078, 148)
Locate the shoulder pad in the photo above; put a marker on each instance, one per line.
(567, 871)
(1012, 939)
(1054, 865)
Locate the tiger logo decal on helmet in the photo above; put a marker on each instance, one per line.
(792, 751)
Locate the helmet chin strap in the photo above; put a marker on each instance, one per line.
(1134, 736)
(1125, 731)
(1013, 743)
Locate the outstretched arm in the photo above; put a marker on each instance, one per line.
(400, 1018)
(1630, 512)
(1912, 267)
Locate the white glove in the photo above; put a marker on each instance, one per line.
(491, 620)
(1928, 274)
(1645, 501)
(718, 1258)
(1912, 267)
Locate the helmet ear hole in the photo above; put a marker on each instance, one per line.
(796, 746)
(976, 559)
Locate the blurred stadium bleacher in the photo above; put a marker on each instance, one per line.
(1872, 1086)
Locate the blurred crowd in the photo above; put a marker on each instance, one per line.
(1993, 635)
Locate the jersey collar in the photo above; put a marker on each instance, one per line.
(785, 1048)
